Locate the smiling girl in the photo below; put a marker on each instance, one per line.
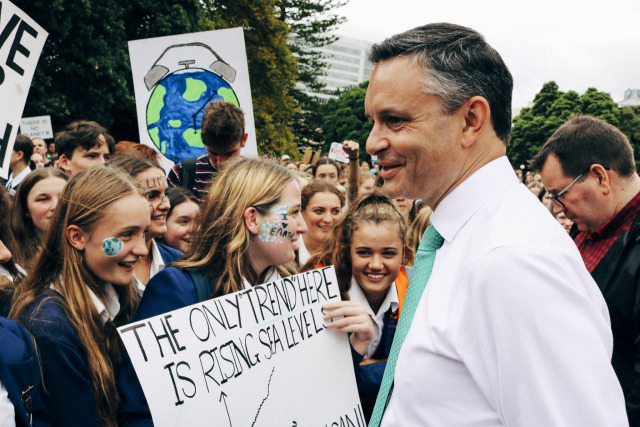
(367, 250)
(153, 181)
(81, 289)
(32, 212)
(180, 218)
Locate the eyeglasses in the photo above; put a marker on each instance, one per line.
(562, 192)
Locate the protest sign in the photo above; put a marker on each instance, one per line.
(310, 157)
(21, 42)
(175, 77)
(262, 357)
(337, 153)
(36, 127)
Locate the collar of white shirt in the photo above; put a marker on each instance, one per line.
(389, 302)
(271, 276)
(15, 180)
(465, 200)
(106, 312)
(157, 265)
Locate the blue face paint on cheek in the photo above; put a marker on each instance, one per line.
(112, 246)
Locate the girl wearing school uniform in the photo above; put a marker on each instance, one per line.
(80, 290)
(233, 249)
(153, 181)
(367, 249)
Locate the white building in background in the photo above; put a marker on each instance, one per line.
(347, 66)
(631, 98)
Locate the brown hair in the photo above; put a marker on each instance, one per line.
(336, 251)
(81, 133)
(84, 202)
(417, 229)
(129, 148)
(220, 245)
(222, 124)
(27, 240)
(320, 186)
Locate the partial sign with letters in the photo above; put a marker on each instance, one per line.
(21, 42)
(262, 356)
(337, 153)
(36, 127)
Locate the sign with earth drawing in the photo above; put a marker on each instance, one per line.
(175, 77)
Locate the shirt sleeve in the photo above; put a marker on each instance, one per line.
(174, 179)
(542, 348)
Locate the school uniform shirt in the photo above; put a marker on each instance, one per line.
(511, 329)
(14, 181)
(161, 255)
(7, 413)
(390, 302)
(303, 252)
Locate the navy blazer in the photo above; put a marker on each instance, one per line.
(20, 373)
(168, 254)
(67, 377)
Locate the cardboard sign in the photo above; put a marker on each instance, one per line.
(337, 153)
(310, 157)
(36, 127)
(262, 356)
(175, 77)
(21, 42)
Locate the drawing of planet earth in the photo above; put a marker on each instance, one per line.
(172, 106)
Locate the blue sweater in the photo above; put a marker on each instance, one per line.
(20, 373)
(67, 378)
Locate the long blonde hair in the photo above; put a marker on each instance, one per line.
(221, 244)
(84, 202)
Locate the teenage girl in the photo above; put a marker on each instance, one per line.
(180, 218)
(81, 289)
(367, 250)
(153, 181)
(32, 212)
(232, 250)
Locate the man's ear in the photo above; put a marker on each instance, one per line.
(63, 163)
(604, 179)
(251, 217)
(76, 237)
(244, 140)
(477, 115)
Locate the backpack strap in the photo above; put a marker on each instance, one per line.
(203, 282)
(189, 173)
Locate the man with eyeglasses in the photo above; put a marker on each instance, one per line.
(589, 170)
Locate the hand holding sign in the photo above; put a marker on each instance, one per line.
(352, 317)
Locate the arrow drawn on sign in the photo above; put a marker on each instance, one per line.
(223, 395)
(265, 398)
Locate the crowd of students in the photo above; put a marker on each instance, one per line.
(99, 242)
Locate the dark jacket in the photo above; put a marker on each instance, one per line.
(21, 375)
(618, 276)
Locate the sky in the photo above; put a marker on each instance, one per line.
(577, 44)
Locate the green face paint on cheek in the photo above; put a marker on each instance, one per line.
(112, 246)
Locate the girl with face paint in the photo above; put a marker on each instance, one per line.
(81, 289)
(367, 249)
(153, 181)
(243, 237)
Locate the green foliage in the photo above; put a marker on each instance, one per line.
(84, 70)
(551, 108)
(344, 119)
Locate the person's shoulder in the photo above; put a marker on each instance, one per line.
(15, 342)
(168, 290)
(46, 318)
(168, 253)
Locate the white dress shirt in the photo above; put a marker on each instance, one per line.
(109, 311)
(390, 302)
(157, 265)
(303, 252)
(511, 329)
(7, 413)
(14, 181)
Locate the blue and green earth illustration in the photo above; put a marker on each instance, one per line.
(172, 106)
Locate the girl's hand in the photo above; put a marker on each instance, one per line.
(352, 317)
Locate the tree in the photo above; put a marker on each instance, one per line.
(272, 68)
(344, 118)
(551, 108)
(84, 70)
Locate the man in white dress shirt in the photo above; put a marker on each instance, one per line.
(511, 329)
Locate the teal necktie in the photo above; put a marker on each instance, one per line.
(431, 241)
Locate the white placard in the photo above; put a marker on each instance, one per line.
(21, 42)
(259, 357)
(175, 77)
(36, 127)
(337, 153)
